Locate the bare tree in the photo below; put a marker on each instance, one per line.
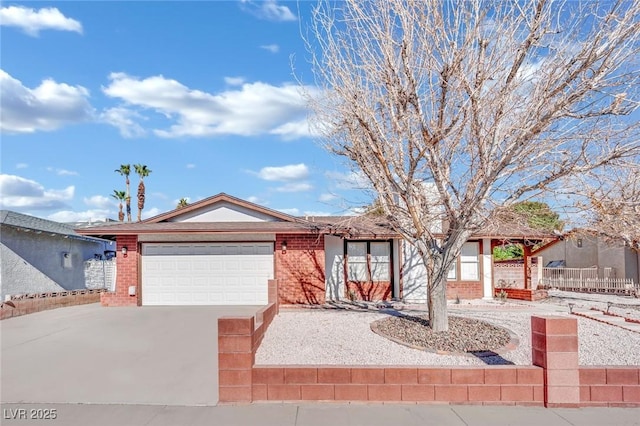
(613, 205)
(454, 108)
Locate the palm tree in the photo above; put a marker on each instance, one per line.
(143, 172)
(125, 170)
(120, 196)
(182, 203)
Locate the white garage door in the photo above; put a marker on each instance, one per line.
(206, 273)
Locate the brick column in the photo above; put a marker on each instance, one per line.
(235, 358)
(554, 345)
(126, 274)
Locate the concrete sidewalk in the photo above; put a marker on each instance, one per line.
(312, 415)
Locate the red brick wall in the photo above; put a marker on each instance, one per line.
(41, 302)
(498, 385)
(464, 289)
(126, 275)
(238, 341)
(522, 294)
(369, 291)
(554, 380)
(300, 270)
(610, 386)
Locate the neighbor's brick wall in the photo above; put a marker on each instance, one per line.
(610, 386)
(300, 270)
(126, 275)
(496, 385)
(32, 303)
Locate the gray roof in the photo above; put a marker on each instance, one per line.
(25, 221)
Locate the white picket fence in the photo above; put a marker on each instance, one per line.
(586, 280)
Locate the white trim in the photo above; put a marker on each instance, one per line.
(487, 263)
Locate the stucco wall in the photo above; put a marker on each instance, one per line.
(334, 267)
(19, 277)
(593, 252)
(44, 252)
(414, 276)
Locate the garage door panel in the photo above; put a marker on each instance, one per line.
(206, 274)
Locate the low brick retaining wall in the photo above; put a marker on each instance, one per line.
(555, 379)
(522, 294)
(30, 303)
(503, 385)
(610, 386)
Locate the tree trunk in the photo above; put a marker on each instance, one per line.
(437, 298)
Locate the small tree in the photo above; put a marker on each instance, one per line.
(142, 172)
(125, 170)
(182, 203)
(452, 109)
(120, 196)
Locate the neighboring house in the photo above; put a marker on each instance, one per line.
(42, 256)
(582, 249)
(223, 250)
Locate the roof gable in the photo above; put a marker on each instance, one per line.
(222, 208)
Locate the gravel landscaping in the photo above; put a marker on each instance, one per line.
(344, 337)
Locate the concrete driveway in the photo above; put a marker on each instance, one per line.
(91, 354)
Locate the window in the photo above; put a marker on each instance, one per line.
(453, 271)
(368, 261)
(469, 263)
(357, 264)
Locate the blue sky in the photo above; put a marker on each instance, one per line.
(203, 93)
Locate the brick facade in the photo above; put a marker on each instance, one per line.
(369, 291)
(127, 274)
(464, 290)
(300, 269)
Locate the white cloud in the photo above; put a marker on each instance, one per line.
(93, 215)
(327, 197)
(62, 172)
(316, 213)
(251, 109)
(191, 166)
(295, 187)
(234, 81)
(269, 10)
(47, 107)
(292, 212)
(17, 192)
(273, 48)
(125, 120)
(351, 180)
(22, 166)
(147, 213)
(284, 173)
(33, 21)
(256, 200)
(293, 130)
(100, 201)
